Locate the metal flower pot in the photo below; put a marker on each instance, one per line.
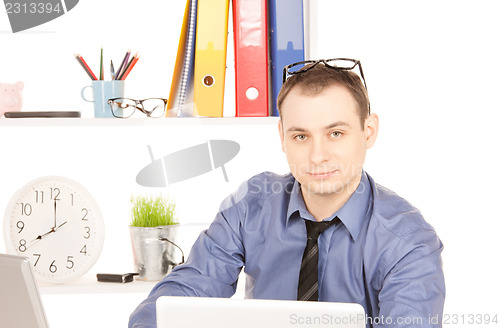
(153, 254)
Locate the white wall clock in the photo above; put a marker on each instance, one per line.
(56, 223)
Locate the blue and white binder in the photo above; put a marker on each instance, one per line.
(286, 18)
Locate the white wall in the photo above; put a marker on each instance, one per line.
(432, 73)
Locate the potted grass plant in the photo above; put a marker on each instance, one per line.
(152, 212)
(153, 231)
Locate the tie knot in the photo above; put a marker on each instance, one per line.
(315, 228)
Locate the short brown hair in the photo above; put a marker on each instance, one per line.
(317, 79)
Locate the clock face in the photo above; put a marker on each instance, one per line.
(56, 223)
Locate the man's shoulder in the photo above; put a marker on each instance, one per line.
(397, 234)
(395, 214)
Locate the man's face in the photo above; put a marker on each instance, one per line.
(324, 142)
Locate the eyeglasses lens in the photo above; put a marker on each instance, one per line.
(155, 107)
(122, 107)
(341, 63)
(296, 68)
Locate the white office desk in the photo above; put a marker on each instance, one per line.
(97, 308)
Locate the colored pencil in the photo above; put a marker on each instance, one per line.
(112, 70)
(127, 67)
(122, 65)
(85, 66)
(101, 71)
(130, 68)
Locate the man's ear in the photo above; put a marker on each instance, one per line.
(371, 129)
(282, 136)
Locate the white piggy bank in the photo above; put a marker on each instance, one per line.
(10, 97)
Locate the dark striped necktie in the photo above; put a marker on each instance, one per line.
(308, 278)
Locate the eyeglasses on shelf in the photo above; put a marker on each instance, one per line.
(125, 107)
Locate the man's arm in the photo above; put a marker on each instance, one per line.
(413, 290)
(211, 270)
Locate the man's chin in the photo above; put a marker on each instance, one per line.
(329, 187)
(322, 188)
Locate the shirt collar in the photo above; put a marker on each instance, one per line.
(352, 214)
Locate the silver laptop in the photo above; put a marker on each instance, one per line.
(20, 304)
(184, 312)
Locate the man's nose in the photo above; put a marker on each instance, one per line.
(319, 151)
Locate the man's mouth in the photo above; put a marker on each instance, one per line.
(322, 174)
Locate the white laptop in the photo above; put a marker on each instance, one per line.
(20, 304)
(192, 312)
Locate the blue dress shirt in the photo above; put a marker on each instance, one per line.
(381, 254)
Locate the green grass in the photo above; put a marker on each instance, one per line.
(152, 212)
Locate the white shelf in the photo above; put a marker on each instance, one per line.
(138, 121)
(88, 284)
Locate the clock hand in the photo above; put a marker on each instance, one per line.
(40, 237)
(55, 213)
(54, 228)
(60, 226)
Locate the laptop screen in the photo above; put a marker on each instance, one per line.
(20, 304)
(183, 312)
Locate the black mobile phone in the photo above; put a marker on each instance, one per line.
(46, 114)
(113, 277)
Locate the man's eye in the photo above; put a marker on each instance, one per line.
(300, 137)
(336, 134)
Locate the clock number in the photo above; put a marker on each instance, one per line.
(72, 199)
(70, 264)
(87, 233)
(52, 267)
(85, 215)
(84, 250)
(20, 226)
(54, 193)
(22, 245)
(36, 262)
(39, 196)
(26, 209)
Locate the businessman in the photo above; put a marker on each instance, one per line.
(325, 231)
